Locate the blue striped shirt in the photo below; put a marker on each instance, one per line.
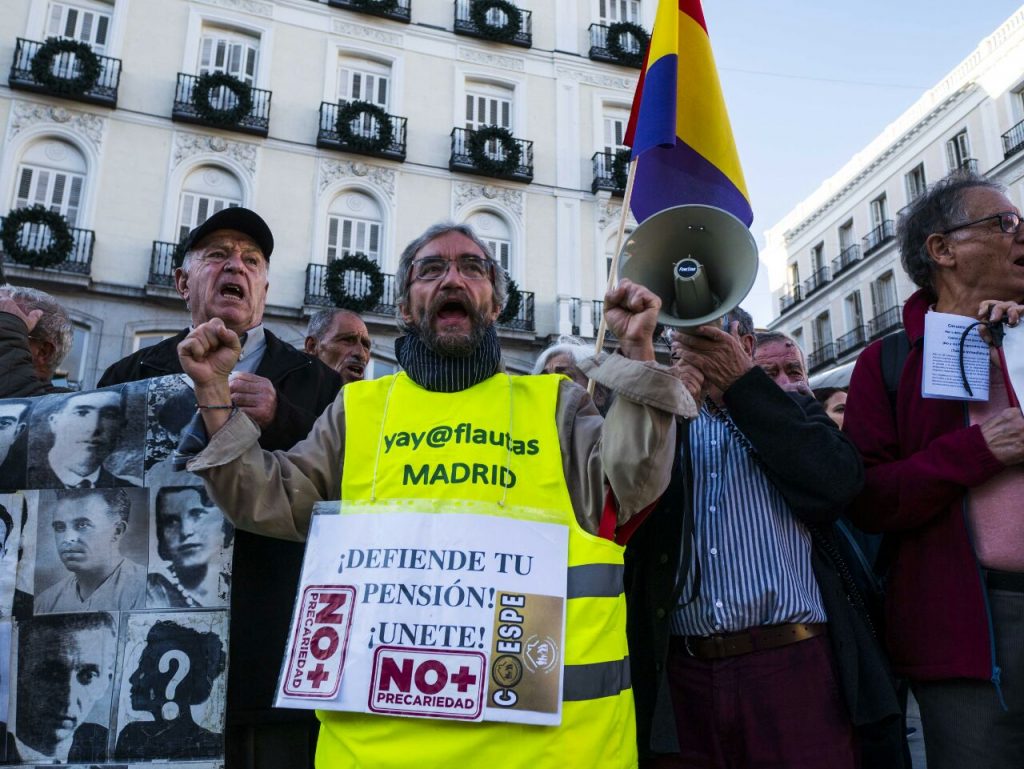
(755, 556)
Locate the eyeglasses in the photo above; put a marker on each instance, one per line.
(436, 267)
(1009, 222)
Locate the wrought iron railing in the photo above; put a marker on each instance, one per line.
(879, 236)
(521, 35)
(848, 257)
(37, 237)
(494, 162)
(790, 298)
(64, 69)
(852, 340)
(1013, 140)
(821, 357)
(609, 175)
(255, 121)
(363, 137)
(630, 55)
(161, 263)
(397, 10)
(884, 322)
(820, 277)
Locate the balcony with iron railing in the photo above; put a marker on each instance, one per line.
(789, 298)
(234, 108)
(610, 172)
(970, 165)
(596, 315)
(848, 257)
(496, 24)
(37, 237)
(821, 357)
(852, 340)
(396, 10)
(358, 284)
(621, 43)
(820, 277)
(884, 322)
(92, 79)
(162, 264)
(878, 237)
(1013, 140)
(364, 134)
(494, 157)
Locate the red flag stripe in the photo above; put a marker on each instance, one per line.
(692, 9)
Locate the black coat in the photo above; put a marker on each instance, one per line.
(265, 572)
(818, 471)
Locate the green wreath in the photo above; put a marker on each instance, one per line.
(477, 146)
(513, 301)
(61, 240)
(618, 52)
(620, 169)
(205, 85)
(334, 282)
(356, 109)
(88, 65)
(508, 31)
(384, 6)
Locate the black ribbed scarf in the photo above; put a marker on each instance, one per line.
(443, 373)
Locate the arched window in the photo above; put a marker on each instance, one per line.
(354, 223)
(495, 232)
(52, 173)
(207, 190)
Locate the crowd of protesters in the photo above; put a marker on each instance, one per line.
(747, 627)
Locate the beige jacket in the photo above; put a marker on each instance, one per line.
(273, 493)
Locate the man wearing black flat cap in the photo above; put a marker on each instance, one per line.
(223, 274)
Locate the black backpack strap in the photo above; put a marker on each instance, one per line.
(895, 348)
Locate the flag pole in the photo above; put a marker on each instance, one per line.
(613, 269)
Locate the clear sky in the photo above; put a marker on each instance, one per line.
(809, 83)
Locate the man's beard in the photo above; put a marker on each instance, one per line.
(453, 345)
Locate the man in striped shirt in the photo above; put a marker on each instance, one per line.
(732, 665)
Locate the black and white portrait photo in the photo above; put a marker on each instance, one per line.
(85, 440)
(12, 508)
(172, 687)
(91, 550)
(63, 692)
(13, 443)
(171, 404)
(190, 555)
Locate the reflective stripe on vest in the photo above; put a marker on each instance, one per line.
(502, 423)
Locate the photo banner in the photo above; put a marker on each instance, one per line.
(408, 611)
(115, 578)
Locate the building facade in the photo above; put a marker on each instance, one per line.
(833, 262)
(349, 125)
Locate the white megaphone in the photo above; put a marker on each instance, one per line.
(701, 261)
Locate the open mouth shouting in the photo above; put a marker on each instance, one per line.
(232, 291)
(355, 368)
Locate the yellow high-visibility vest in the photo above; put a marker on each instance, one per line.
(505, 424)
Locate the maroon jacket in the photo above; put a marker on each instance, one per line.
(920, 469)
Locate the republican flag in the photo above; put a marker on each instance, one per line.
(679, 127)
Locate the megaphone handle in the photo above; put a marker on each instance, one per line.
(613, 268)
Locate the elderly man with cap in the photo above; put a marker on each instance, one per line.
(223, 275)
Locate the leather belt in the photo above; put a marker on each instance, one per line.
(1012, 581)
(752, 640)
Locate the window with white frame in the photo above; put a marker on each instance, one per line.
(612, 11)
(958, 150)
(883, 293)
(149, 338)
(52, 173)
(854, 310)
(614, 122)
(817, 260)
(488, 104)
(822, 331)
(229, 51)
(364, 80)
(207, 190)
(879, 211)
(797, 334)
(88, 22)
(495, 232)
(846, 238)
(794, 275)
(72, 369)
(354, 226)
(915, 182)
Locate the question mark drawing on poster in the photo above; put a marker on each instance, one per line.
(170, 710)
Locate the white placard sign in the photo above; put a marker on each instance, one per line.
(944, 355)
(425, 614)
